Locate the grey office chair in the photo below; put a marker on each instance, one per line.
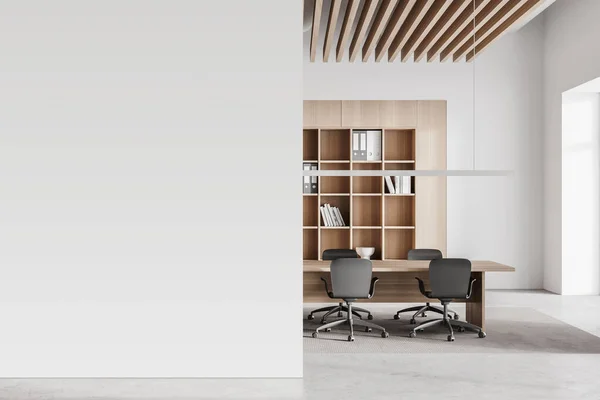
(423, 254)
(449, 278)
(351, 279)
(334, 254)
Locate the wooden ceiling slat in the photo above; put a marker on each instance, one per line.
(381, 20)
(481, 18)
(498, 18)
(314, 34)
(400, 13)
(464, 19)
(351, 10)
(455, 9)
(363, 24)
(408, 27)
(427, 23)
(522, 12)
(334, 11)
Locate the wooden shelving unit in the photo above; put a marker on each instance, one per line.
(374, 217)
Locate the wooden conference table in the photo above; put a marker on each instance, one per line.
(397, 283)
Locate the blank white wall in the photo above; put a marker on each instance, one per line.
(149, 170)
(571, 33)
(488, 218)
(580, 188)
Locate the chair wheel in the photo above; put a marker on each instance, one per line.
(384, 334)
(315, 335)
(460, 329)
(351, 338)
(412, 321)
(456, 316)
(323, 321)
(367, 329)
(327, 329)
(450, 338)
(370, 316)
(482, 334)
(412, 334)
(396, 316)
(423, 315)
(310, 317)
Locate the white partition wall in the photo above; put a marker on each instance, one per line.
(142, 231)
(580, 192)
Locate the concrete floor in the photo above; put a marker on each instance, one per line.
(380, 376)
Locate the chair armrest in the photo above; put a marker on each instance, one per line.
(424, 292)
(470, 292)
(327, 288)
(372, 289)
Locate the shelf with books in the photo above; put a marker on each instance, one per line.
(332, 204)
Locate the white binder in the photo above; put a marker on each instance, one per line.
(314, 180)
(363, 145)
(374, 145)
(355, 145)
(306, 179)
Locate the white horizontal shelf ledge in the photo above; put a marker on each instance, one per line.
(405, 172)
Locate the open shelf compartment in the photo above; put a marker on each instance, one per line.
(335, 144)
(398, 242)
(399, 145)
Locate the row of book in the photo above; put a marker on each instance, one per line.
(331, 216)
(400, 185)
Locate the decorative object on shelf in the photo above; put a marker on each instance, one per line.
(365, 252)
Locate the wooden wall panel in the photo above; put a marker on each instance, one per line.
(379, 113)
(430, 207)
(398, 114)
(360, 113)
(322, 114)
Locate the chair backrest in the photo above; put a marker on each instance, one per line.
(424, 254)
(334, 254)
(351, 278)
(449, 278)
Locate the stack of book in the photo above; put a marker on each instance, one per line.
(331, 216)
(401, 184)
